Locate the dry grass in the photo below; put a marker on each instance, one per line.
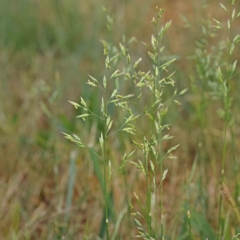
(35, 159)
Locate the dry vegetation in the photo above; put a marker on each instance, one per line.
(52, 189)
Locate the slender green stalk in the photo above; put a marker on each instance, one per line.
(105, 115)
(159, 159)
(105, 185)
(154, 115)
(161, 206)
(221, 181)
(222, 172)
(148, 190)
(227, 105)
(189, 225)
(106, 199)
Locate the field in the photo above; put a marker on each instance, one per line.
(119, 119)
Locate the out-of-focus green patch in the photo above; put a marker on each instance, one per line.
(200, 225)
(41, 25)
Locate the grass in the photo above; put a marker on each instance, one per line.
(123, 181)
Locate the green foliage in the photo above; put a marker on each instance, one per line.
(175, 92)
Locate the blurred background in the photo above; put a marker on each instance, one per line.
(48, 187)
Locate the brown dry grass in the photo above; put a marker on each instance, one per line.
(34, 157)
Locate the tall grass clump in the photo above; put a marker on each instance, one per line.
(145, 108)
(216, 70)
(105, 118)
(212, 86)
(111, 103)
(152, 99)
(226, 73)
(134, 104)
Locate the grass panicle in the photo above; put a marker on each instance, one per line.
(174, 92)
